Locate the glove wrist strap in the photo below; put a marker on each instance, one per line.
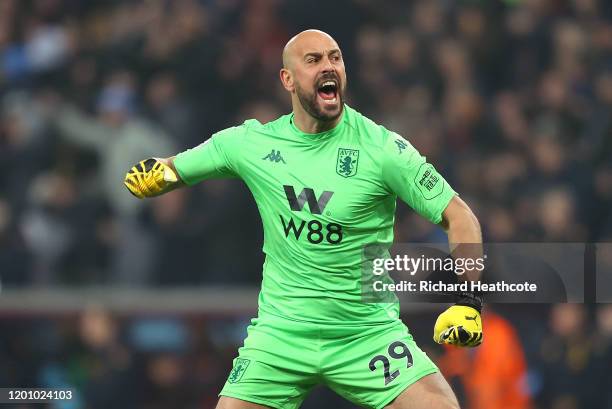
(470, 299)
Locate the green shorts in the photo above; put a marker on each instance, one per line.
(282, 360)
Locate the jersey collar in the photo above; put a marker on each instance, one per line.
(321, 135)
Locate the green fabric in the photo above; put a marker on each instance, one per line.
(322, 198)
(282, 360)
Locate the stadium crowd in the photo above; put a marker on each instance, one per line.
(559, 359)
(511, 100)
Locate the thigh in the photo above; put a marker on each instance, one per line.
(372, 367)
(275, 368)
(431, 391)
(233, 403)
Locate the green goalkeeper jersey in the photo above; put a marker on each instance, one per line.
(322, 198)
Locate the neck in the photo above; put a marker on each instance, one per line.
(307, 124)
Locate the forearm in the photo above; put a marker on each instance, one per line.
(461, 324)
(465, 242)
(464, 238)
(80, 129)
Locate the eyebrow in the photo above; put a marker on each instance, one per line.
(318, 54)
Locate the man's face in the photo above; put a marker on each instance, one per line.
(319, 77)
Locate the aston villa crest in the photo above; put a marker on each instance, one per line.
(240, 366)
(346, 166)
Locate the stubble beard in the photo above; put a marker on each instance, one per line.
(310, 105)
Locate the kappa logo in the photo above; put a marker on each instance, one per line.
(274, 156)
(238, 370)
(401, 145)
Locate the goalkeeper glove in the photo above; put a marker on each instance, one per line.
(460, 324)
(149, 177)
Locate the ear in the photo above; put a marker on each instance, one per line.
(286, 78)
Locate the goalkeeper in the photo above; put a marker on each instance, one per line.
(326, 179)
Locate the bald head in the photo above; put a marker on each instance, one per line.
(313, 72)
(299, 43)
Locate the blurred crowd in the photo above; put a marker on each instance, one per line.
(512, 101)
(182, 362)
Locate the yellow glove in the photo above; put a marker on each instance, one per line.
(149, 177)
(459, 325)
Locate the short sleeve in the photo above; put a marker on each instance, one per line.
(408, 175)
(215, 158)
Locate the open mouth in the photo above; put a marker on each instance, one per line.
(328, 92)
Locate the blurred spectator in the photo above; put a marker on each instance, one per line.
(603, 351)
(166, 384)
(120, 138)
(88, 356)
(106, 362)
(173, 113)
(570, 366)
(47, 224)
(14, 257)
(494, 375)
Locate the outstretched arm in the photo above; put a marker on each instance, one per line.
(214, 158)
(152, 177)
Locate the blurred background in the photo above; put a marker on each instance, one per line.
(142, 304)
